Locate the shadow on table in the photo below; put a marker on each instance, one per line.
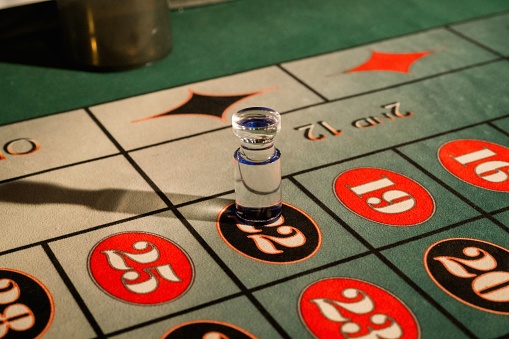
(109, 200)
(30, 35)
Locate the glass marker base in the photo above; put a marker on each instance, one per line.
(258, 215)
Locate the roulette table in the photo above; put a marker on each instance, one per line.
(116, 188)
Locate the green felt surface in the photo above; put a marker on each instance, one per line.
(227, 38)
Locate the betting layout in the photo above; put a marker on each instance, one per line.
(118, 218)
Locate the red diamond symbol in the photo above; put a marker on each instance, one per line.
(389, 62)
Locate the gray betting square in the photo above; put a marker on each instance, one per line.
(53, 141)
(328, 73)
(72, 199)
(113, 314)
(271, 86)
(448, 208)
(425, 153)
(191, 168)
(336, 242)
(68, 321)
(282, 300)
(410, 257)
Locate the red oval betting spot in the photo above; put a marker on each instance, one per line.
(140, 268)
(479, 163)
(384, 196)
(351, 308)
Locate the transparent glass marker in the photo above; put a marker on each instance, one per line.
(257, 166)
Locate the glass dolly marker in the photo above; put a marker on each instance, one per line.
(257, 166)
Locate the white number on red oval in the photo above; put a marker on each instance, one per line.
(141, 268)
(350, 308)
(384, 196)
(480, 163)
